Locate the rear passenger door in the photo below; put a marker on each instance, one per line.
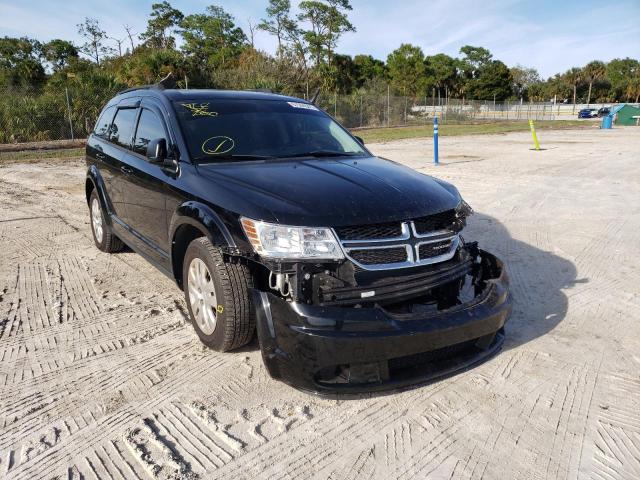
(120, 138)
(107, 155)
(146, 185)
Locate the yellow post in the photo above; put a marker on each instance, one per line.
(535, 137)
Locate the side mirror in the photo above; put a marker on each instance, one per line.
(157, 150)
(359, 139)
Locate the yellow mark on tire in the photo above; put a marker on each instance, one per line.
(218, 145)
(220, 308)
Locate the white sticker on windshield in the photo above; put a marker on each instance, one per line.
(306, 106)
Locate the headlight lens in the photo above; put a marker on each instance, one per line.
(282, 241)
(463, 209)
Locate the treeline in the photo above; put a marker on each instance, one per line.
(210, 49)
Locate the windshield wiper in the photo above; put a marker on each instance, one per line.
(323, 153)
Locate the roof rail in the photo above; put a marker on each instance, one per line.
(259, 90)
(167, 82)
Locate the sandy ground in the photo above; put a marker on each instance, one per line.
(102, 377)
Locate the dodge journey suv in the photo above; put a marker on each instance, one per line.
(273, 219)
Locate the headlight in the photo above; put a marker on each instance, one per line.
(463, 209)
(282, 241)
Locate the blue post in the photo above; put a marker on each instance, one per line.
(435, 141)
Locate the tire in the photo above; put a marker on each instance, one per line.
(104, 239)
(233, 317)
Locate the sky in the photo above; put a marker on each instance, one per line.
(549, 35)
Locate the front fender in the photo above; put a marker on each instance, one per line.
(97, 183)
(204, 219)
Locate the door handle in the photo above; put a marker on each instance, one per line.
(126, 170)
(100, 156)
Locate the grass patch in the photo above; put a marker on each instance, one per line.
(28, 156)
(374, 135)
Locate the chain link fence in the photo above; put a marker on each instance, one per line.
(362, 111)
(371, 111)
(69, 112)
(35, 115)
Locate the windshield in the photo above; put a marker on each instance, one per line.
(243, 129)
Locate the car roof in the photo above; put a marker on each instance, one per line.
(195, 94)
(230, 94)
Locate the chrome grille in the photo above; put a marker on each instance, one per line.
(433, 249)
(380, 255)
(432, 223)
(368, 232)
(394, 245)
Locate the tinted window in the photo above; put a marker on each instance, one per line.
(216, 128)
(149, 128)
(123, 125)
(103, 123)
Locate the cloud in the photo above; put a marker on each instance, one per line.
(549, 35)
(47, 20)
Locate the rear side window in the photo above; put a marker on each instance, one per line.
(149, 128)
(123, 126)
(103, 123)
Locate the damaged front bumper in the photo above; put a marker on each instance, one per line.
(329, 349)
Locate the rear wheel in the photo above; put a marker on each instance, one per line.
(217, 295)
(104, 239)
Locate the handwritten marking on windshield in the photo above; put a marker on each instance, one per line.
(200, 110)
(218, 145)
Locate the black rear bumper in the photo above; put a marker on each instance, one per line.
(337, 349)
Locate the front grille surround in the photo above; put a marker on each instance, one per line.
(436, 246)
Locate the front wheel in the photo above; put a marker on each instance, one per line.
(104, 239)
(217, 295)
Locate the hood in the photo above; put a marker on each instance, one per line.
(329, 191)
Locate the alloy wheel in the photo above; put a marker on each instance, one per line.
(202, 296)
(96, 220)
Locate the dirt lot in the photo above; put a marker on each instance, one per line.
(102, 377)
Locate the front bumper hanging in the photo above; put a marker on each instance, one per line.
(329, 349)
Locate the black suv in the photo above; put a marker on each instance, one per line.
(272, 217)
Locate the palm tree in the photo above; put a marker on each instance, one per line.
(593, 72)
(574, 77)
(633, 87)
